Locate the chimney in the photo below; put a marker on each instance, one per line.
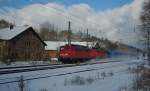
(11, 27)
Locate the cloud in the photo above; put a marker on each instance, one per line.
(116, 24)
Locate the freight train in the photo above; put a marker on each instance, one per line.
(77, 53)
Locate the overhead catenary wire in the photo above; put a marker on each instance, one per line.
(9, 78)
(79, 21)
(60, 12)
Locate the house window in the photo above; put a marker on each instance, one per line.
(16, 54)
(27, 43)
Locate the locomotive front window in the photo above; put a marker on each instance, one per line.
(62, 47)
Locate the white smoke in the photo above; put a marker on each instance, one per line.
(116, 24)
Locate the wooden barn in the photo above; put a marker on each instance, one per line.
(21, 44)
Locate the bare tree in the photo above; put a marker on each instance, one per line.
(145, 27)
(48, 31)
(4, 24)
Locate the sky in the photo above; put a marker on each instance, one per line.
(96, 4)
(116, 20)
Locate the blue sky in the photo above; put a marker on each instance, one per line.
(96, 4)
(109, 23)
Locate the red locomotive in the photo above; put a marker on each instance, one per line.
(77, 53)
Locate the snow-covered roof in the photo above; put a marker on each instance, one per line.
(7, 33)
(54, 45)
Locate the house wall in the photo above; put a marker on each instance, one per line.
(25, 47)
(51, 54)
(3, 50)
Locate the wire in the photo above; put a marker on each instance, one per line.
(9, 82)
(74, 17)
(8, 78)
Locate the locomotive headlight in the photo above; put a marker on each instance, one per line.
(64, 54)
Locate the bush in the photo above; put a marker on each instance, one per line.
(43, 89)
(78, 80)
(142, 79)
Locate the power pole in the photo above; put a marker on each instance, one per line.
(57, 35)
(21, 83)
(148, 46)
(69, 33)
(87, 39)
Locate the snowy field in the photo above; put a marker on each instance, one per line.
(98, 77)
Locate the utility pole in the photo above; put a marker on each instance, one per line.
(69, 33)
(87, 39)
(148, 46)
(57, 35)
(21, 83)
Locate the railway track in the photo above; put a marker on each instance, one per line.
(71, 72)
(14, 67)
(19, 69)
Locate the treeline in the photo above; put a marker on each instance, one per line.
(142, 72)
(4, 24)
(49, 32)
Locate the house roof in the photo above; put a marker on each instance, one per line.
(54, 45)
(7, 33)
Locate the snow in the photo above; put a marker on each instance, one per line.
(24, 63)
(7, 33)
(55, 45)
(121, 77)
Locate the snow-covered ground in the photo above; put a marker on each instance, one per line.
(25, 63)
(98, 77)
(54, 61)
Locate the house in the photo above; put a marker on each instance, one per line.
(52, 48)
(20, 43)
